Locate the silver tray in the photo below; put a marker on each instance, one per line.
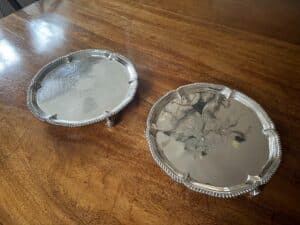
(214, 140)
(82, 88)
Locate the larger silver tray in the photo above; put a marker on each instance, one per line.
(213, 140)
(82, 87)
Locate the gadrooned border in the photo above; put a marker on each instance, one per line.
(223, 192)
(38, 113)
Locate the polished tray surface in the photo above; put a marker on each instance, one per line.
(83, 87)
(213, 139)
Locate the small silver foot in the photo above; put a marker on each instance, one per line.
(110, 121)
(255, 192)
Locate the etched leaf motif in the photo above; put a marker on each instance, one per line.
(193, 118)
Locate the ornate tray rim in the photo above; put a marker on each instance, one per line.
(108, 115)
(223, 192)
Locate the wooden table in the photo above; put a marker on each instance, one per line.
(98, 175)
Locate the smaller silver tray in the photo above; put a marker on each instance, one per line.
(213, 140)
(82, 88)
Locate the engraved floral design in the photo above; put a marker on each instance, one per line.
(192, 119)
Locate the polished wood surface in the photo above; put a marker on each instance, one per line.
(99, 175)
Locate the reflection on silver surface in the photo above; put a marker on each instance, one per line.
(47, 33)
(82, 88)
(212, 139)
(8, 54)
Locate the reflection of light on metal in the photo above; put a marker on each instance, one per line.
(45, 35)
(8, 54)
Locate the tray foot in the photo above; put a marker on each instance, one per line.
(255, 192)
(110, 121)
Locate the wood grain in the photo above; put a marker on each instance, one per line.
(96, 175)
